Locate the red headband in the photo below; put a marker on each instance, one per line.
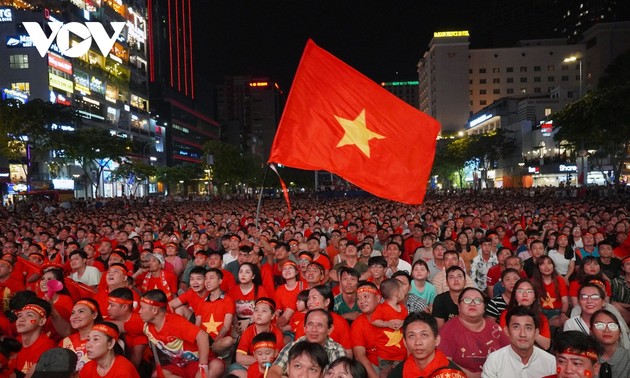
(367, 289)
(88, 304)
(109, 331)
(152, 302)
(3, 261)
(289, 262)
(123, 270)
(121, 301)
(35, 308)
(264, 344)
(590, 354)
(273, 307)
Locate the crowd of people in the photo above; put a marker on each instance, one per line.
(500, 284)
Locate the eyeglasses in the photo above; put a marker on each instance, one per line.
(525, 291)
(593, 297)
(476, 301)
(302, 261)
(600, 326)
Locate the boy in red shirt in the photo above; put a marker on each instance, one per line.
(265, 352)
(389, 317)
(30, 322)
(196, 293)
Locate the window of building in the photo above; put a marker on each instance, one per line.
(18, 61)
(537, 90)
(496, 80)
(509, 69)
(470, 81)
(510, 80)
(551, 78)
(565, 78)
(523, 80)
(510, 90)
(551, 68)
(564, 67)
(536, 79)
(482, 91)
(536, 68)
(470, 70)
(496, 91)
(22, 86)
(550, 89)
(547, 112)
(482, 70)
(523, 90)
(482, 102)
(496, 70)
(482, 81)
(523, 69)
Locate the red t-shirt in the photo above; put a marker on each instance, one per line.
(190, 298)
(286, 298)
(324, 260)
(28, 356)
(63, 305)
(364, 334)
(75, 344)
(551, 300)
(121, 368)
(253, 371)
(297, 321)
(266, 274)
(213, 314)
(389, 342)
(228, 281)
(574, 288)
(245, 302)
(168, 285)
(245, 343)
(494, 275)
(102, 298)
(176, 340)
(340, 332)
(134, 331)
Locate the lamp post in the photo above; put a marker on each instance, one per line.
(573, 59)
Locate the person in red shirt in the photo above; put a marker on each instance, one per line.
(265, 352)
(245, 294)
(182, 344)
(183, 304)
(156, 277)
(8, 286)
(115, 277)
(85, 314)
(120, 312)
(215, 313)
(364, 334)
(30, 323)
(215, 260)
(104, 363)
(312, 245)
(263, 321)
(286, 294)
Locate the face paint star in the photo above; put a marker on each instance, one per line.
(357, 133)
(211, 325)
(394, 338)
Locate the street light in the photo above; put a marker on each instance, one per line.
(573, 59)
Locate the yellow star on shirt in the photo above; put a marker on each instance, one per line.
(394, 338)
(211, 325)
(357, 133)
(547, 302)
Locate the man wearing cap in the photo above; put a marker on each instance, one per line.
(184, 345)
(56, 363)
(81, 272)
(29, 324)
(156, 277)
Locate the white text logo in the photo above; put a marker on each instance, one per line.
(61, 31)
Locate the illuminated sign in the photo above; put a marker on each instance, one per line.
(60, 83)
(480, 119)
(259, 84)
(57, 98)
(6, 15)
(14, 94)
(568, 168)
(546, 128)
(533, 169)
(61, 33)
(63, 184)
(82, 82)
(399, 83)
(111, 93)
(60, 64)
(19, 41)
(97, 85)
(447, 34)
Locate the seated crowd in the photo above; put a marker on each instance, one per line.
(366, 288)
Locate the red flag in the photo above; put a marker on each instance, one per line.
(340, 121)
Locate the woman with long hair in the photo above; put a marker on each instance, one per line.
(552, 290)
(614, 358)
(525, 294)
(85, 314)
(245, 294)
(106, 359)
(563, 257)
(588, 271)
(466, 250)
(61, 301)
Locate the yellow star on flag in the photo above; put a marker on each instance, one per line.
(394, 338)
(211, 325)
(357, 133)
(548, 302)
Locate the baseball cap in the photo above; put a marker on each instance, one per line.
(56, 363)
(159, 257)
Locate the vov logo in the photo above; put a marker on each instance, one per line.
(61, 32)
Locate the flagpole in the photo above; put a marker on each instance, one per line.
(262, 186)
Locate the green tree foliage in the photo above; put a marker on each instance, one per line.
(92, 148)
(232, 167)
(184, 173)
(600, 121)
(134, 172)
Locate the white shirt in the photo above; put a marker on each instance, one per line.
(506, 363)
(402, 265)
(91, 276)
(562, 264)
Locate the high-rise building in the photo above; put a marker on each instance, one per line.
(174, 105)
(109, 89)
(249, 108)
(404, 90)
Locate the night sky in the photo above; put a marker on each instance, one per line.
(383, 39)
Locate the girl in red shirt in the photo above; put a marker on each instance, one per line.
(61, 300)
(553, 291)
(105, 362)
(245, 294)
(85, 314)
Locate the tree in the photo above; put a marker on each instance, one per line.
(450, 158)
(134, 173)
(600, 121)
(183, 173)
(231, 166)
(93, 148)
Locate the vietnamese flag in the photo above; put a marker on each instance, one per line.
(340, 121)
